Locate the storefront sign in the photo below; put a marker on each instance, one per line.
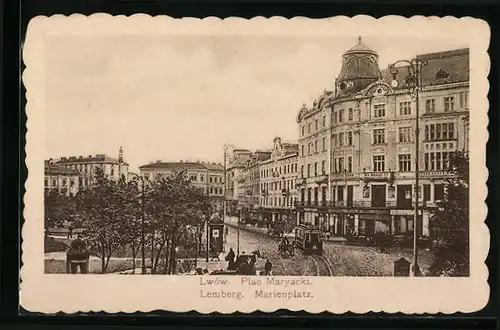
(401, 212)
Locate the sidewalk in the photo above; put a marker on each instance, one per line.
(257, 230)
(200, 263)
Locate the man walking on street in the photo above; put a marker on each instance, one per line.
(268, 268)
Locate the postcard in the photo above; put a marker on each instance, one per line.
(224, 165)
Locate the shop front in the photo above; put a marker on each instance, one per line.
(374, 221)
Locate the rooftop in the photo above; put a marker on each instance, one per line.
(360, 47)
(99, 158)
(442, 68)
(50, 168)
(183, 166)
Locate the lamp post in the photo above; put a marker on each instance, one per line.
(238, 233)
(414, 85)
(207, 215)
(143, 252)
(224, 210)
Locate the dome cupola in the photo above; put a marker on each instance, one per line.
(359, 69)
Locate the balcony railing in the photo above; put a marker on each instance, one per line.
(342, 175)
(321, 179)
(345, 204)
(437, 174)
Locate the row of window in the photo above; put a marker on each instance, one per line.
(278, 201)
(433, 132)
(405, 109)
(215, 190)
(313, 147)
(313, 192)
(64, 182)
(338, 116)
(404, 163)
(449, 103)
(436, 161)
(285, 169)
(342, 139)
(340, 165)
(317, 126)
(313, 169)
(278, 185)
(441, 131)
(213, 179)
(338, 193)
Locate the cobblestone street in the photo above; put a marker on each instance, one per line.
(345, 260)
(297, 265)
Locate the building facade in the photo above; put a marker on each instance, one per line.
(314, 161)
(61, 179)
(237, 161)
(253, 207)
(373, 130)
(278, 180)
(208, 177)
(86, 166)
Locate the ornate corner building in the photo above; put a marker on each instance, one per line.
(356, 155)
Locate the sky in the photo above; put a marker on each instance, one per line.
(174, 98)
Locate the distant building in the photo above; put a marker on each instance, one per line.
(86, 166)
(209, 177)
(252, 186)
(238, 160)
(278, 176)
(63, 180)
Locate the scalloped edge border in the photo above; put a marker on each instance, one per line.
(31, 277)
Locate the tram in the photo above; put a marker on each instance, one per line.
(308, 239)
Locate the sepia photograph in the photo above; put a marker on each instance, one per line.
(259, 160)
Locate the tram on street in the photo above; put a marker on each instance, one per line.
(308, 239)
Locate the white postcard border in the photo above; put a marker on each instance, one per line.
(45, 293)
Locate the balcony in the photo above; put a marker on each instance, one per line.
(344, 204)
(320, 179)
(437, 174)
(300, 182)
(377, 176)
(342, 176)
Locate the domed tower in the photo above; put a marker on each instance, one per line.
(359, 69)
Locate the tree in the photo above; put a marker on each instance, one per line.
(108, 210)
(176, 212)
(449, 224)
(132, 213)
(58, 208)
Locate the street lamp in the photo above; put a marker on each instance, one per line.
(414, 84)
(143, 252)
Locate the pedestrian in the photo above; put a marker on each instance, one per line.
(230, 258)
(268, 268)
(212, 251)
(70, 233)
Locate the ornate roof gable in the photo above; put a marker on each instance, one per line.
(378, 88)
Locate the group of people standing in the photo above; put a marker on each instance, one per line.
(246, 266)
